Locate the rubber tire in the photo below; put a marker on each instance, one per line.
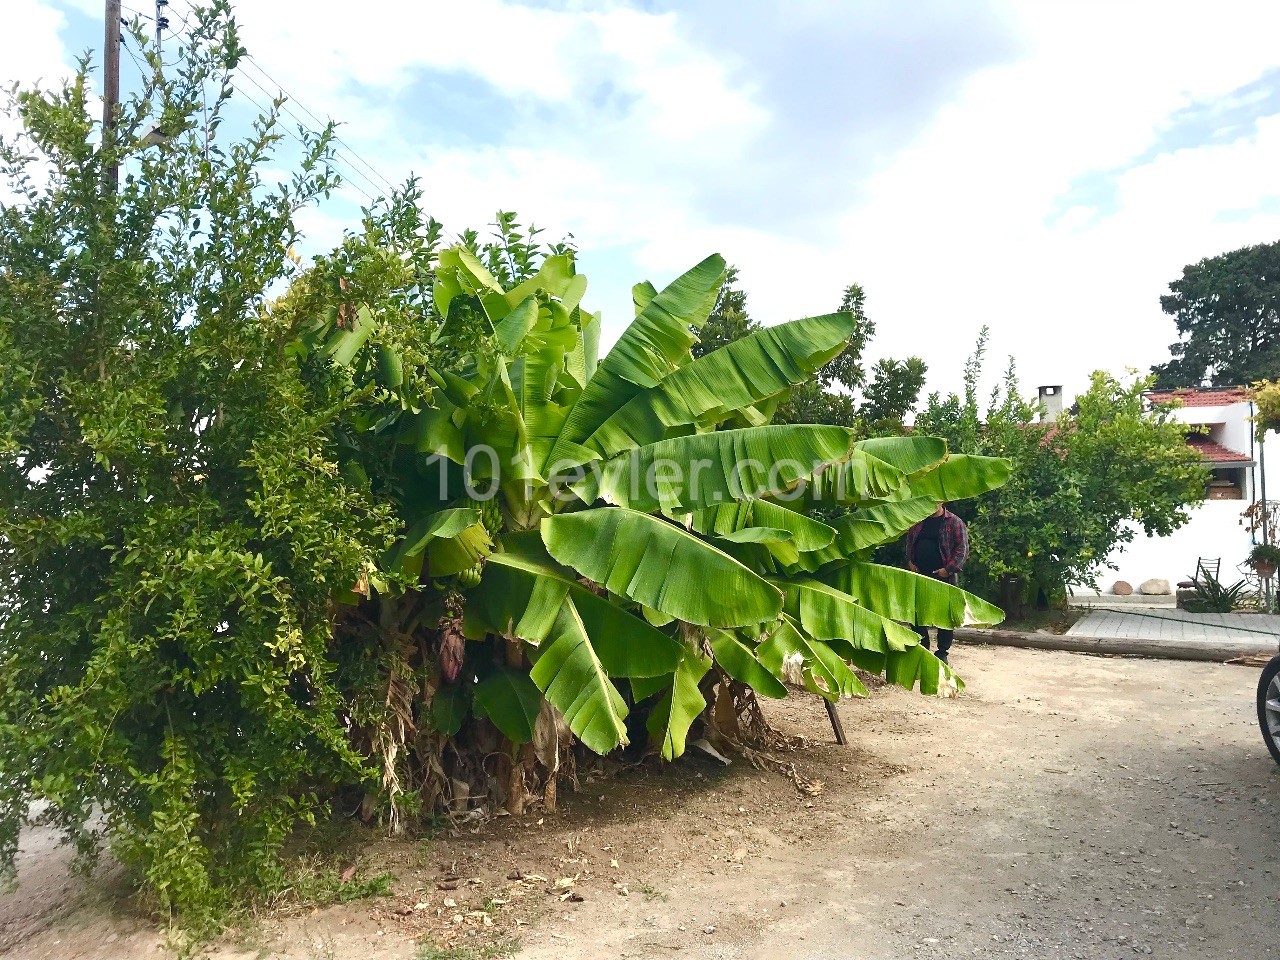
(1269, 673)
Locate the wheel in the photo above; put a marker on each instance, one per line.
(1269, 707)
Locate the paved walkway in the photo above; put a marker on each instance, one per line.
(1168, 624)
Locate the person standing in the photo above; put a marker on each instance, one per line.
(937, 547)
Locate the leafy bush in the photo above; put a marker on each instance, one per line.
(172, 524)
(1081, 482)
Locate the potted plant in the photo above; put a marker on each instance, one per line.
(1265, 558)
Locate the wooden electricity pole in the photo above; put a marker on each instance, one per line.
(111, 86)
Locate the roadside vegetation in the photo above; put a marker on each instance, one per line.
(1083, 481)
(384, 536)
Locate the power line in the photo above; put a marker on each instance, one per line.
(303, 143)
(342, 147)
(343, 152)
(252, 61)
(294, 116)
(143, 68)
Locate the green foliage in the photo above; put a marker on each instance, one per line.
(1079, 485)
(892, 393)
(276, 538)
(1264, 553)
(728, 321)
(830, 394)
(1210, 596)
(173, 516)
(490, 951)
(1266, 399)
(1227, 309)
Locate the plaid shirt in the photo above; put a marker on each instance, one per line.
(953, 543)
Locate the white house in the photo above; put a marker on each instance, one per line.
(1241, 467)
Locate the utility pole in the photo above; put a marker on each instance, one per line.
(111, 86)
(162, 24)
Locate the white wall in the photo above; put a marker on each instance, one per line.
(1213, 531)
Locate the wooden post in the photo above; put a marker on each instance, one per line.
(836, 725)
(111, 86)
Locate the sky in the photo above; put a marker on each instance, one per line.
(1044, 168)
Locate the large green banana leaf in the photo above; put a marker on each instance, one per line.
(823, 670)
(684, 474)
(511, 700)
(859, 479)
(521, 594)
(854, 538)
(571, 676)
(894, 518)
(709, 390)
(740, 662)
(906, 668)
(827, 614)
(460, 273)
(437, 430)
(585, 356)
(641, 294)
(859, 533)
(661, 566)
(911, 455)
(510, 331)
(730, 518)
(547, 377)
(555, 277)
(911, 597)
(657, 342)
(959, 477)
(534, 378)
(683, 702)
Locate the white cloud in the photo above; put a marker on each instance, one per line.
(31, 52)
(30, 49)
(618, 124)
(957, 232)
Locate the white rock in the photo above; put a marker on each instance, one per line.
(1155, 588)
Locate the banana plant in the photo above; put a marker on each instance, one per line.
(632, 525)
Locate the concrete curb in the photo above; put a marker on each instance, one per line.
(1213, 651)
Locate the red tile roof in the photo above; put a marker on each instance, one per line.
(1220, 397)
(1215, 452)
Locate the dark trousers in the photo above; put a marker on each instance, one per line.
(944, 636)
(944, 640)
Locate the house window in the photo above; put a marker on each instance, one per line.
(1226, 483)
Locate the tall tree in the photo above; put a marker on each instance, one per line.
(1081, 485)
(729, 320)
(1227, 309)
(831, 395)
(892, 393)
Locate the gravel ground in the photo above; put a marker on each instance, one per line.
(1065, 806)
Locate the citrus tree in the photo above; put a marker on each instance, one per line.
(1083, 483)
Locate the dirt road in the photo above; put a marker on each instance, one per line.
(1065, 806)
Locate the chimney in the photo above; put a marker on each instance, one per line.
(1050, 402)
